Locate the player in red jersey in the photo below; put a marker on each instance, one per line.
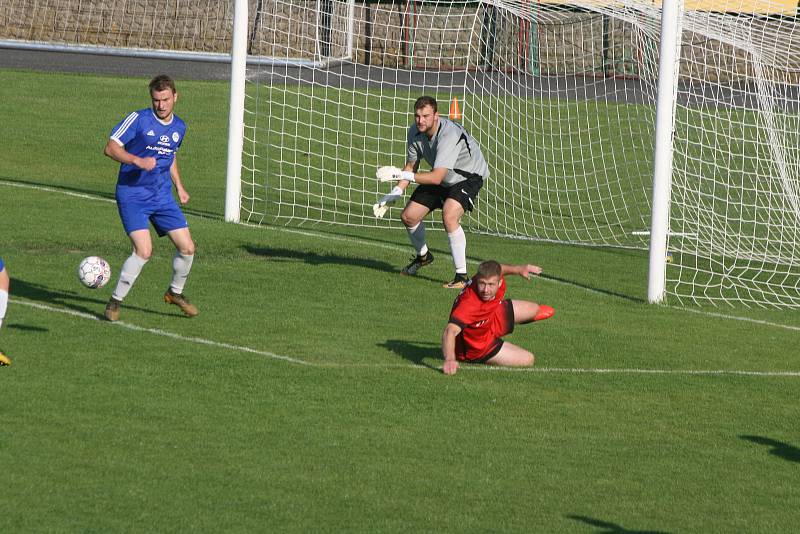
(480, 317)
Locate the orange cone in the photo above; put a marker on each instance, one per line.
(455, 110)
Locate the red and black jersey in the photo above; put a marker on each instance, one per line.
(482, 322)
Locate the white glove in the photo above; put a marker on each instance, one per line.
(382, 206)
(392, 174)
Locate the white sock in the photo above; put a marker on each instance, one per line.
(181, 265)
(127, 276)
(3, 305)
(417, 236)
(458, 248)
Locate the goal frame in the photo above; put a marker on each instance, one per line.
(662, 169)
(669, 56)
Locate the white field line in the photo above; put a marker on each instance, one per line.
(736, 318)
(59, 191)
(320, 235)
(163, 333)
(297, 361)
(634, 371)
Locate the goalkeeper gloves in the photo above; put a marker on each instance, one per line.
(382, 206)
(392, 174)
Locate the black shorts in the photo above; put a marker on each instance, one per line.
(433, 196)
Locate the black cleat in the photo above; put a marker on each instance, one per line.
(417, 263)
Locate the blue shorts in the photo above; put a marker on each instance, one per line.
(165, 215)
(2, 265)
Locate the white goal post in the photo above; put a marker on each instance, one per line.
(605, 122)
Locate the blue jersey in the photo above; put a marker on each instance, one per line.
(145, 135)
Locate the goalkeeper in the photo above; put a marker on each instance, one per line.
(458, 172)
(480, 317)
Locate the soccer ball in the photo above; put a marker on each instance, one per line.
(94, 272)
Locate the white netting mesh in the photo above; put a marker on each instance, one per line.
(735, 212)
(559, 99)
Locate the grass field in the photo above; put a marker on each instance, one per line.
(307, 395)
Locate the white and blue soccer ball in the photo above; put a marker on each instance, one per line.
(94, 272)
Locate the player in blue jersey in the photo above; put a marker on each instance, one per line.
(4, 287)
(145, 144)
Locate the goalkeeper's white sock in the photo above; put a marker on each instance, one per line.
(458, 248)
(417, 236)
(127, 276)
(3, 305)
(181, 265)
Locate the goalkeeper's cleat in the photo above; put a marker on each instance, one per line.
(4, 360)
(459, 282)
(188, 309)
(417, 263)
(112, 310)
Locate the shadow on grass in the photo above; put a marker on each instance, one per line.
(779, 448)
(26, 328)
(68, 299)
(608, 292)
(413, 352)
(611, 528)
(312, 258)
(441, 254)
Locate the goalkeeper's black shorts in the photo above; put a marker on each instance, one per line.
(433, 196)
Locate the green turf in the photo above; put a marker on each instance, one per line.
(306, 396)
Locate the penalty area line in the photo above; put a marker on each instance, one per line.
(634, 371)
(736, 318)
(59, 191)
(164, 333)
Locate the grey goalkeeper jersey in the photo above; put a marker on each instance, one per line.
(452, 147)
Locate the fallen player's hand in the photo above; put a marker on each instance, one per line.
(392, 174)
(450, 367)
(528, 270)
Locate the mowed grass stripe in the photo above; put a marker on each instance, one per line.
(328, 237)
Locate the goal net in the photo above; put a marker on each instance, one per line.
(559, 99)
(562, 100)
(735, 209)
